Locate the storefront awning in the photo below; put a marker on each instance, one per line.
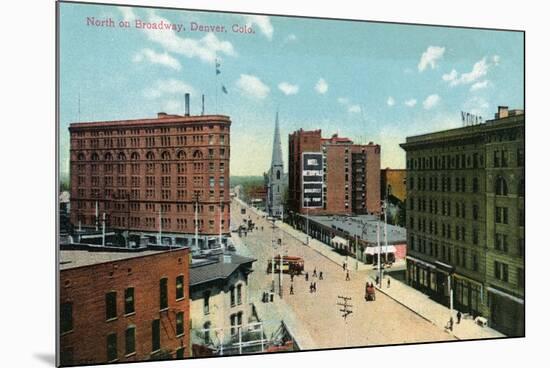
(503, 294)
(384, 249)
(421, 262)
(339, 240)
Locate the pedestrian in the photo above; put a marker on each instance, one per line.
(315, 287)
(320, 275)
(311, 287)
(458, 317)
(347, 276)
(314, 272)
(451, 324)
(377, 280)
(307, 276)
(292, 277)
(388, 282)
(291, 289)
(344, 266)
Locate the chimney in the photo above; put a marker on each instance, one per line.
(502, 112)
(187, 104)
(202, 110)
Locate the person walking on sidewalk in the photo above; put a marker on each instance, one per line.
(307, 276)
(320, 275)
(314, 272)
(458, 317)
(344, 266)
(291, 289)
(347, 276)
(388, 282)
(451, 324)
(377, 280)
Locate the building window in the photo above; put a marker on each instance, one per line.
(155, 335)
(129, 301)
(475, 264)
(501, 242)
(475, 185)
(112, 351)
(110, 305)
(66, 317)
(236, 322)
(206, 329)
(130, 340)
(180, 352)
(501, 215)
(239, 294)
(501, 188)
(163, 293)
(179, 324)
(521, 277)
(180, 294)
(232, 295)
(501, 271)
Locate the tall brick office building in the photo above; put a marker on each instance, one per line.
(120, 305)
(149, 175)
(466, 216)
(351, 174)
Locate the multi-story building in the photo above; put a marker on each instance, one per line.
(120, 305)
(351, 174)
(220, 305)
(159, 176)
(465, 218)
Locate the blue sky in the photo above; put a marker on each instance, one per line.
(368, 81)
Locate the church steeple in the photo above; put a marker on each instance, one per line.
(277, 155)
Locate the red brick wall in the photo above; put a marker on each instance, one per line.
(335, 183)
(172, 134)
(86, 287)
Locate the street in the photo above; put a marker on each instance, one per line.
(379, 322)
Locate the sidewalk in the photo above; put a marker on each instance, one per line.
(434, 312)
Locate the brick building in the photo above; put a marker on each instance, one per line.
(465, 218)
(394, 181)
(351, 174)
(123, 306)
(150, 175)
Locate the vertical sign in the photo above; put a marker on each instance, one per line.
(312, 180)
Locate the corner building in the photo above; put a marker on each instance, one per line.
(465, 218)
(351, 174)
(150, 175)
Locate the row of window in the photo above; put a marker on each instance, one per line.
(135, 156)
(434, 249)
(164, 140)
(501, 272)
(500, 158)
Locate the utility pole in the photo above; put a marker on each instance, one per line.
(281, 268)
(221, 216)
(96, 215)
(196, 200)
(450, 294)
(103, 231)
(385, 236)
(159, 241)
(379, 251)
(356, 254)
(346, 311)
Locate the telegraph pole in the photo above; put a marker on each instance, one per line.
(379, 251)
(196, 200)
(221, 215)
(103, 230)
(346, 311)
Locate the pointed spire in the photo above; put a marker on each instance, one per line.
(277, 156)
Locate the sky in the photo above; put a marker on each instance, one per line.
(371, 82)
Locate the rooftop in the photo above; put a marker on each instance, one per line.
(206, 270)
(354, 226)
(161, 118)
(91, 255)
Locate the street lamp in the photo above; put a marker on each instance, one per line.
(307, 200)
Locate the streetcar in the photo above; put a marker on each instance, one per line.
(291, 265)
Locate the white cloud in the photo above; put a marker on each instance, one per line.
(157, 58)
(252, 86)
(173, 106)
(411, 102)
(206, 48)
(479, 85)
(354, 108)
(262, 22)
(479, 70)
(288, 89)
(431, 101)
(496, 60)
(430, 56)
(127, 13)
(390, 101)
(168, 87)
(321, 86)
(343, 100)
(290, 38)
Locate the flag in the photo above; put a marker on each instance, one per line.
(224, 90)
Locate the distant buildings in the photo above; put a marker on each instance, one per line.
(150, 176)
(394, 182)
(347, 181)
(120, 305)
(220, 306)
(466, 218)
(276, 182)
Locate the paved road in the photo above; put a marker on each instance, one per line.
(315, 317)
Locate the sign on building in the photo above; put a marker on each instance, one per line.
(312, 180)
